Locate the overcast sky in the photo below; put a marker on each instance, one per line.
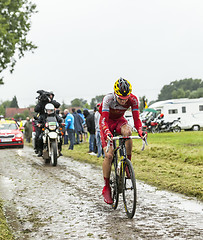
(84, 46)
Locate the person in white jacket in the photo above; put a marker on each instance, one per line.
(97, 131)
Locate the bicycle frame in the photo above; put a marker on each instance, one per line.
(144, 142)
(122, 148)
(118, 181)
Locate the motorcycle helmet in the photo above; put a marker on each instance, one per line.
(122, 88)
(161, 115)
(49, 108)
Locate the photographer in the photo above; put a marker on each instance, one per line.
(43, 98)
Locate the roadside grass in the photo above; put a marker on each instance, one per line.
(171, 161)
(5, 233)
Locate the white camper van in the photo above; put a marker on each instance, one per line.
(190, 111)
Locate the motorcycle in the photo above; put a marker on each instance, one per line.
(163, 126)
(51, 139)
(149, 125)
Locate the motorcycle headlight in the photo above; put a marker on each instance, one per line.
(52, 127)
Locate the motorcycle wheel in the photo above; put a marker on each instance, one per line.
(53, 154)
(154, 130)
(176, 129)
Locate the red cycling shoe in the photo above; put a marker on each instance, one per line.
(107, 195)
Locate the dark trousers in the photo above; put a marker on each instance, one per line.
(71, 138)
(77, 138)
(38, 139)
(65, 139)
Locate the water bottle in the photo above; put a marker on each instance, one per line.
(118, 168)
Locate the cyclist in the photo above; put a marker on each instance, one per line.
(112, 110)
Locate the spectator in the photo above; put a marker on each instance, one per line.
(34, 127)
(20, 124)
(77, 126)
(90, 128)
(33, 121)
(69, 123)
(65, 133)
(85, 132)
(83, 126)
(97, 131)
(28, 130)
(58, 113)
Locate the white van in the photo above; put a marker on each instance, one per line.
(190, 112)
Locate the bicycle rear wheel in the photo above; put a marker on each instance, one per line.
(129, 189)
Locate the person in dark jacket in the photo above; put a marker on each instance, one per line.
(44, 98)
(28, 130)
(65, 133)
(83, 126)
(90, 128)
(77, 125)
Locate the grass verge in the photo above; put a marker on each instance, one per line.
(5, 233)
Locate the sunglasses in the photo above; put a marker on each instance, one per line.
(121, 98)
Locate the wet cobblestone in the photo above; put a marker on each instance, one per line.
(65, 202)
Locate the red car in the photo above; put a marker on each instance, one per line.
(10, 134)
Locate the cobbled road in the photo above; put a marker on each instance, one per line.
(65, 202)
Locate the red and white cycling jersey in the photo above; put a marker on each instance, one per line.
(110, 109)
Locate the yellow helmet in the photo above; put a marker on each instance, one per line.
(122, 88)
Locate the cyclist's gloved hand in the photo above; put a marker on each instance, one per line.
(142, 134)
(109, 135)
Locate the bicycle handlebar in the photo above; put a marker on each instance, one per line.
(144, 142)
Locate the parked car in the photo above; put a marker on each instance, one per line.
(10, 134)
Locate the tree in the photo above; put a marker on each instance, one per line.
(196, 94)
(3, 107)
(97, 99)
(78, 102)
(14, 26)
(63, 106)
(179, 93)
(6, 104)
(181, 89)
(2, 110)
(14, 103)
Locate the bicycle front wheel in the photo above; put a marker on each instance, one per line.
(129, 189)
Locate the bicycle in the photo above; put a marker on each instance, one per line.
(119, 181)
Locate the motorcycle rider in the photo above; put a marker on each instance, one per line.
(43, 98)
(50, 111)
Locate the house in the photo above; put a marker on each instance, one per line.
(11, 112)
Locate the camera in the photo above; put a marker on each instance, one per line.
(43, 96)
